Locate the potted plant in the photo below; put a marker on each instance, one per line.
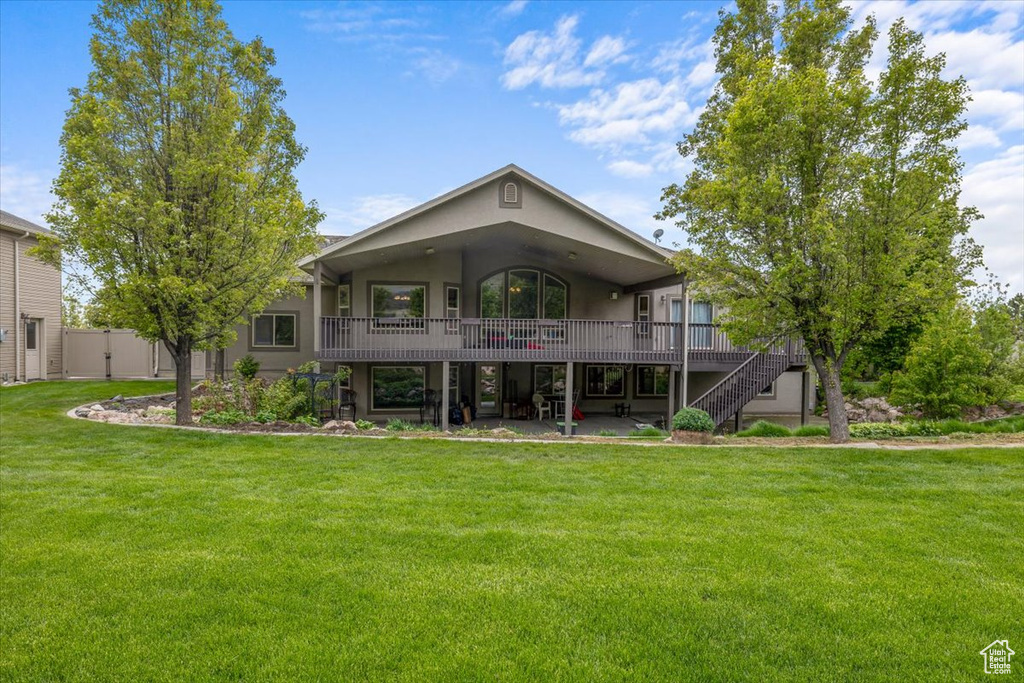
(692, 425)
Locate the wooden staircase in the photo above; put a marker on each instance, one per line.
(752, 376)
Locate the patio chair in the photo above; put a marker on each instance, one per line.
(542, 406)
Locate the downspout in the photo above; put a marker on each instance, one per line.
(18, 351)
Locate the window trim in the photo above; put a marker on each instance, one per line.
(34, 324)
(636, 387)
(554, 367)
(605, 366)
(771, 395)
(448, 286)
(372, 408)
(503, 184)
(253, 346)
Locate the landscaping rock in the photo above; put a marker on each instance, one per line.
(96, 407)
(82, 412)
(872, 410)
(684, 436)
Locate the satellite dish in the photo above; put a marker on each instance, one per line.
(657, 235)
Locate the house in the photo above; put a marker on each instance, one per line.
(507, 288)
(30, 305)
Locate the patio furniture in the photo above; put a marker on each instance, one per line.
(430, 406)
(347, 405)
(542, 406)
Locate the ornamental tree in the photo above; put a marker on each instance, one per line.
(823, 205)
(176, 190)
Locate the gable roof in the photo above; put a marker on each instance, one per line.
(601, 219)
(12, 222)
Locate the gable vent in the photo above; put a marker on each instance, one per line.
(511, 193)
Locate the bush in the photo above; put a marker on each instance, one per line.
(286, 399)
(812, 430)
(946, 368)
(876, 430)
(650, 431)
(265, 416)
(764, 428)
(693, 420)
(398, 425)
(307, 420)
(365, 424)
(246, 367)
(223, 417)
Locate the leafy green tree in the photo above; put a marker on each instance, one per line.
(72, 312)
(176, 187)
(821, 205)
(946, 369)
(1015, 306)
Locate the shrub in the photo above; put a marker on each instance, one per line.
(365, 424)
(693, 420)
(812, 430)
(764, 428)
(223, 417)
(246, 367)
(650, 431)
(946, 368)
(265, 416)
(878, 430)
(307, 420)
(286, 398)
(398, 425)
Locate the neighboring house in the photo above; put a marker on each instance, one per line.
(506, 288)
(30, 305)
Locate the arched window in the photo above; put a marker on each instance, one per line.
(524, 293)
(511, 193)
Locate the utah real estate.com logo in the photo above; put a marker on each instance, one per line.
(997, 657)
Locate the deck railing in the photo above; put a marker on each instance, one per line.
(487, 339)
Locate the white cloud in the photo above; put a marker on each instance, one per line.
(635, 212)
(996, 187)
(606, 50)
(363, 212)
(552, 60)
(24, 193)
(629, 113)
(514, 8)
(978, 136)
(436, 66)
(1003, 108)
(630, 169)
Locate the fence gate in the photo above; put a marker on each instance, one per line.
(115, 354)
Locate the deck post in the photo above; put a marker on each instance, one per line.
(739, 419)
(686, 344)
(804, 391)
(318, 309)
(671, 396)
(569, 403)
(445, 407)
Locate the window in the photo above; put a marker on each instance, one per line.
(30, 335)
(768, 391)
(511, 193)
(453, 303)
(604, 380)
(347, 384)
(652, 380)
(524, 293)
(549, 380)
(397, 388)
(345, 301)
(396, 302)
(643, 315)
(702, 332)
(555, 298)
(274, 330)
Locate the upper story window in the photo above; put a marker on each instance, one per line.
(345, 301)
(398, 301)
(273, 330)
(524, 293)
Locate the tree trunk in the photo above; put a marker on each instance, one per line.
(218, 365)
(182, 355)
(828, 370)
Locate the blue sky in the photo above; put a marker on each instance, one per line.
(399, 102)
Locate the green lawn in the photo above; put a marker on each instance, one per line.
(155, 554)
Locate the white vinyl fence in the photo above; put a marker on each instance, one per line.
(119, 354)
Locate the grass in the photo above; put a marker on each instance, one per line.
(154, 554)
